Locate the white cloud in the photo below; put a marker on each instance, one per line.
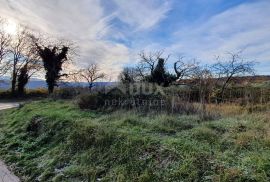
(142, 14)
(85, 18)
(84, 22)
(92, 26)
(88, 23)
(245, 27)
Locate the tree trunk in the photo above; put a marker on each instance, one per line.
(50, 89)
(90, 86)
(13, 83)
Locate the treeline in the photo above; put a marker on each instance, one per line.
(209, 81)
(26, 54)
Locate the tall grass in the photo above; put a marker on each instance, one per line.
(55, 141)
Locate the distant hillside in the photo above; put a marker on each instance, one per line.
(34, 84)
(251, 79)
(5, 84)
(258, 79)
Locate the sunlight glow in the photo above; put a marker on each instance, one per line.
(11, 27)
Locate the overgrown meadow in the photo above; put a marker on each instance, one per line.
(56, 141)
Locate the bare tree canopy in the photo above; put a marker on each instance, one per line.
(91, 74)
(148, 62)
(225, 71)
(5, 40)
(183, 69)
(152, 67)
(23, 57)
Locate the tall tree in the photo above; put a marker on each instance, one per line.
(22, 55)
(5, 40)
(53, 58)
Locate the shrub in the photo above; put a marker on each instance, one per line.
(39, 92)
(34, 126)
(90, 101)
(65, 93)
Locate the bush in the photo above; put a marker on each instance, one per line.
(142, 103)
(39, 92)
(31, 93)
(90, 101)
(65, 93)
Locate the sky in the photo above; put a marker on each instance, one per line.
(113, 32)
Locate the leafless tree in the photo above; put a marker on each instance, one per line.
(23, 56)
(91, 74)
(203, 80)
(148, 62)
(226, 71)
(5, 40)
(183, 69)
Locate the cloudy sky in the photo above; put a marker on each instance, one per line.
(113, 32)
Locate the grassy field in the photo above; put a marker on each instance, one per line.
(55, 141)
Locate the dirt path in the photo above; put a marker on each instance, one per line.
(8, 105)
(5, 174)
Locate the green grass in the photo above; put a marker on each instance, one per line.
(55, 141)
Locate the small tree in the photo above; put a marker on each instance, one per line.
(203, 80)
(53, 58)
(91, 74)
(225, 72)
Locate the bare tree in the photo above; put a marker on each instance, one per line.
(226, 71)
(5, 40)
(23, 58)
(203, 80)
(148, 62)
(91, 74)
(152, 67)
(183, 69)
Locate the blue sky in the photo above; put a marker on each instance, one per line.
(113, 32)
